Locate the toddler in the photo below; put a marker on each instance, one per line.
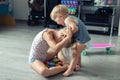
(60, 15)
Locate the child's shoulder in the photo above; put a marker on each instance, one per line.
(48, 31)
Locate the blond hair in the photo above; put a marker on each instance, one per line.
(59, 9)
(72, 43)
(71, 19)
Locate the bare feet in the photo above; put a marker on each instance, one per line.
(77, 68)
(66, 66)
(68, 73)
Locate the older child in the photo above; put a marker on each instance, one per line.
(45, 46)
(61, 16)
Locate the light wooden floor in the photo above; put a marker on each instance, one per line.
(14, 50)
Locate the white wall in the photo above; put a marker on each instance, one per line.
(20, 9)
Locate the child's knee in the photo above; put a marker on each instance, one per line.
(43, 72)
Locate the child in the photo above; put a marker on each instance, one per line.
(45, 46)
(60, 15)
(68, 55)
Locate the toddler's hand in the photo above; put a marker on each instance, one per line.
(69, 32)
(70, 27)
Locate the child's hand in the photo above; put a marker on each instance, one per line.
(71, 28)
(68, 32)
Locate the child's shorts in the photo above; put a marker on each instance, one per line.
(32, 59)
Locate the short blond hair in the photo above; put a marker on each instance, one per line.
(58, 9)
(71, 19)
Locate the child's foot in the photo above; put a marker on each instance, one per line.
(68, 73)
(66, 65)
(77, 68)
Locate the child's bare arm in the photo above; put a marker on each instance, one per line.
(70, 23)
(56, 47)
(72, 64)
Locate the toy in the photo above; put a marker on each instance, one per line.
(59, 63)
(72, 5)
(109, 45)
(46, 63)
(54, 62)
(106, 46)
(51, 64)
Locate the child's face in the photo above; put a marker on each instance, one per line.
(59, 19)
